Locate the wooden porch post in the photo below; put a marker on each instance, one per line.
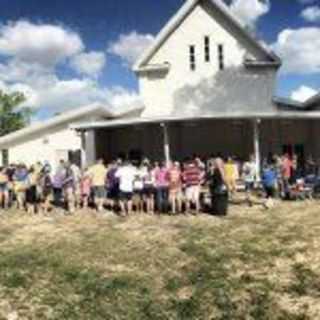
(90, 147)
(257, 154)
(166, 143)
(83, 149)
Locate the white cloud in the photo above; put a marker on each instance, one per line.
(303, 93)
(122, 99)
(130, 46)
(30, 55)
(249, 11)
(64, 95)
(43, 44)
(91, 63)
(311, 14)
(299, 49)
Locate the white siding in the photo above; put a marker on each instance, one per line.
(184, 91)
(45, 148)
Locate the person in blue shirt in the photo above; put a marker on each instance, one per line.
(269, 181)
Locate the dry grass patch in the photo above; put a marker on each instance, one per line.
(254, 264)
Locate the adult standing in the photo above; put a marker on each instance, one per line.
(126, 175)
(192, 177)
(20, 178)
(162, 187)
(231, 175)
(175, 188)
(249, 175)
(269, 180)
(69, 188)
(287, 169)
(98, 173)
(218, 188)
(4, 188)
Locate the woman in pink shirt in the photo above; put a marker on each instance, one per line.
(162, 187)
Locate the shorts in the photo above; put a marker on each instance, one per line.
(113, 193)
(31, 195)
(193, 193)
(69, 194)
(126, 196)
(46, 192)
(175, 193)
(270, 191)
(148, 191)
(4, 187)
(249, 186)
(99, 192)
(138, 192)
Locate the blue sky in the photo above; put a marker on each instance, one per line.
(80, 46)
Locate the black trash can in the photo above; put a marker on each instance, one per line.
(220, 204)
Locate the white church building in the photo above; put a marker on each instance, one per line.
(207, 86)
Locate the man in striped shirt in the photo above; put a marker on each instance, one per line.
(192, 177)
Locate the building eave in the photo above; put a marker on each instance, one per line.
(278, 115)
(57, 121)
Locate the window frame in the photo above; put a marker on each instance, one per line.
(221, 57)
(192, 57)
(207, 53)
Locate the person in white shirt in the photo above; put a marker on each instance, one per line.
(249, 175)
(126, 175)
(138, 185)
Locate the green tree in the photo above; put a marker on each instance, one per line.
(12, 116)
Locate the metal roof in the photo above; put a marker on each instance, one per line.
(59, 120)
(278, 114)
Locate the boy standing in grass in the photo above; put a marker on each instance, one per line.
(269, 180)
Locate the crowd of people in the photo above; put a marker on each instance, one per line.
(124, 186)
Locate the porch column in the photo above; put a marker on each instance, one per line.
(257, 155)
(90, 147)
(166, 143)
(83, 149)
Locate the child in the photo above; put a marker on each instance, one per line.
(45, 184)
(269, 180)
(85, 188)
(175, 188)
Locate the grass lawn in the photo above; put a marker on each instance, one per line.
(254, 264)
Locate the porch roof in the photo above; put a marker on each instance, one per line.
(125, 122)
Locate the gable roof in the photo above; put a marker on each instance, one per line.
(313, 101)
(302, 106)
(180, 16)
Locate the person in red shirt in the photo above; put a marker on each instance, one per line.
(192, 176)
(286, 172)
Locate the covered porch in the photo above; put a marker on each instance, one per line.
(175, 139)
